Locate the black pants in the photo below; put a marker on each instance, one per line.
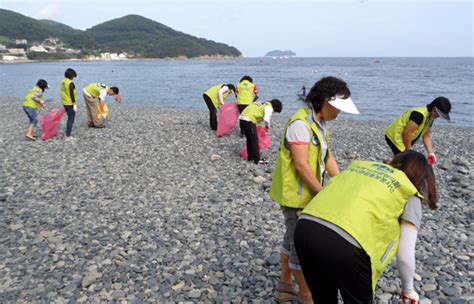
(250, 131)
(330, 263)
(392, 146)
(71, 115)
(241, 109)
(212, 112)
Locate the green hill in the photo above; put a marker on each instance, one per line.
(133, 34)
(14, 25)
(147, 38)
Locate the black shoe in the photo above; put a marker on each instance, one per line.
(263, 161)
(99, 126)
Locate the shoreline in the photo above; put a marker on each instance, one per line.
(144, 211)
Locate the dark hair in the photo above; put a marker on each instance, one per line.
(115, 90)
(231, 87)
(325, 89)
(248, 78)
(42, 84)
(276, 105)
(442, 103)
(70, 73)
(419, 172)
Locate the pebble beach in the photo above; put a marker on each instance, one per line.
(156, 208)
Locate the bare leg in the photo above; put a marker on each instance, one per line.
(285, 276)
(305, 293)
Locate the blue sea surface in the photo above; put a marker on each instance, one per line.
(382, 88)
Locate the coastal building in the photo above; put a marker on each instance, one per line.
(21, 41)
(16, 51)
(38, 48)
(13, 58)
(2, 48)
(72, 51)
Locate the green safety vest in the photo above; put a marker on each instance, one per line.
(29, 102)
(94, 89)
(288, 188)
(65, 92)
(366, 200)
(255, 111)
(213, 94)
(396, 129)
(245, 92)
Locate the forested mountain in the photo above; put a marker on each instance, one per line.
(138, 36)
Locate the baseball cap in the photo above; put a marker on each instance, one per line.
(345, 105)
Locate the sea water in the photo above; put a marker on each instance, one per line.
(382, 88)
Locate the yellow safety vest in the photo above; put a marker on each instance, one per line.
(213, 94)
(366, 200)
(29, 102)
(245, 92)
(94, 89)
(288, 188)
(255, 111)
(396, 129)
(65, 92)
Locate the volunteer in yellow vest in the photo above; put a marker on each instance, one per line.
(91, 93)
(69, 99)
(404, 131)
(32, 102)
(214, 98)
(252, 115)
(363, 217)
(247, 93)
(303, 159)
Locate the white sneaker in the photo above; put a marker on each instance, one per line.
(70, 139)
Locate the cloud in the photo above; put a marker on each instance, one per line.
(50, 11)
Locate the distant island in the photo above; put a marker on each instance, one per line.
(278, 53)
(128, 37)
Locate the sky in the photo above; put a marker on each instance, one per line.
(310, 28)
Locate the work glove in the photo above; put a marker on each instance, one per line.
(411, 296)
(118, 98)
(74, 107)
(432, 159)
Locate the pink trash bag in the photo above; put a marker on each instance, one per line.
(264, 142)
(228, 116)
(50, 123)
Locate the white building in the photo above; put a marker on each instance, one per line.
(21, 41)
(38, 48)
(16, 51)
(2, 47)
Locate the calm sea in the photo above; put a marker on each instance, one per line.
(382, 88)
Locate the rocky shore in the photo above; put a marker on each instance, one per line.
(156, 208)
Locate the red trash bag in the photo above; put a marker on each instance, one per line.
(50, 123)
(264, 142)
(228, 116)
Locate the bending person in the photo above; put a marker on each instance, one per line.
(303, 159)
(214, 98)
(254, 114)
(351, 230)
(404, 131)
(91, 93)
(32, 102)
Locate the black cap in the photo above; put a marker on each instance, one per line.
(442, 107)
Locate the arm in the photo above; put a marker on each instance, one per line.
(300, 158)
(221, 94)
(268, 111)
(36, 98)
(427, 141)
(71, 92)
(406, 254)
(332, 167)
(407, 134)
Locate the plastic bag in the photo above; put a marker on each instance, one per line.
(264, 142)
(102, 110)
(50, 123)
(228, 116)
